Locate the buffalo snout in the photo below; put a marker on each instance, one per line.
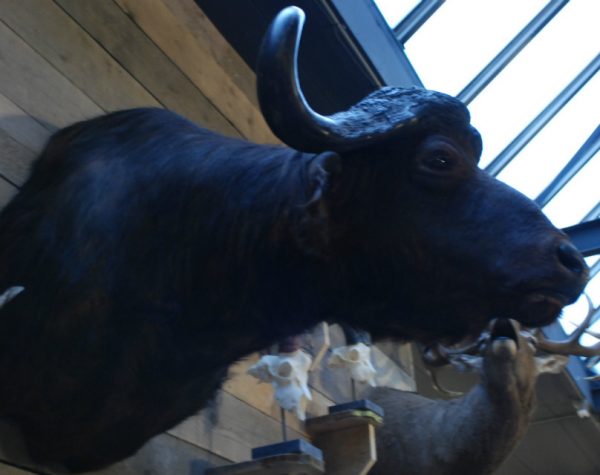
(571, 260)
(545, 300)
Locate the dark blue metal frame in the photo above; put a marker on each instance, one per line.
(374, 40)
(593, 213)
(409, 25)
(505, 157)
(587, 151)
(594, 269)
(586, 236)
(511, 50)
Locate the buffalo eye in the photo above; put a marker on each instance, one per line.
(438, 162)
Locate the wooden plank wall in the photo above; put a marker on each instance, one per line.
(68, 60)
(62, 61)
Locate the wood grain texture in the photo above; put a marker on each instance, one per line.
(15, 159)
(22, 127)
(45, 27)
(347, 440)
(195, 60)
(36, 87)
(198, 24)
(350, 451)
(131, 47)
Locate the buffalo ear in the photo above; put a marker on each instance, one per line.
(313, 228)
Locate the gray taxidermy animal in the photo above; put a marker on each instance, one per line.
(470, 435)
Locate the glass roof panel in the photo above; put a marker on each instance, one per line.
(579, 196)
(574, 314)
(591, 260)
(462, 37)
(544, 157)
(593, 290)
(395, 10)
(536, 76)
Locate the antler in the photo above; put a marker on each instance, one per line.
(440, 355)
(437, 355)
(572, 345)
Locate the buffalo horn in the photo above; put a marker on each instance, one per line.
(10, 294)
(291, 118)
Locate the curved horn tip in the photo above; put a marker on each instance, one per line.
(281, 100)
(10, 294)
(292, 10)
(290, 18)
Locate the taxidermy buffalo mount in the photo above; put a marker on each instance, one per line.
(154, 253)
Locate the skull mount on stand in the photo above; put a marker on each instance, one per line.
(347, 434)
(287, 371)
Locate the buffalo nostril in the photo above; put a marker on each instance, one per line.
(569, 257)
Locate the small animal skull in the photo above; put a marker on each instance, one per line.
(288, 373)
(357, 360)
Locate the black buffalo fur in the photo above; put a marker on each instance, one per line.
(155, 253)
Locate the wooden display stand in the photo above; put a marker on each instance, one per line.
(347, 437)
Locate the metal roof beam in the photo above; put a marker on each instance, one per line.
(594, 269)
(586, 237)
(585, 153)
(511, 50)
(537, 124)
(593, 213)
(415, 19)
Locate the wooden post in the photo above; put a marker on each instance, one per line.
(347, 440)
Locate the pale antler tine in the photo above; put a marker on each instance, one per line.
(438, 355)
(594, 334)
(592, 361)
(580, 330)
(467, 349)
(433, 356)
(571, 345)
(433, 375)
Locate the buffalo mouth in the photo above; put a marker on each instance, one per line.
(542, 307)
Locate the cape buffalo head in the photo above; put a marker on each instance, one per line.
(421, 242)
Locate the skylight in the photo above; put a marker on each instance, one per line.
(461, 38)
